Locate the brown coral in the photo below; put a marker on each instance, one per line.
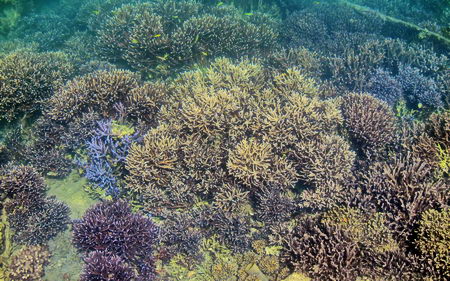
(323, 160)
(370, 122)
(97, 91)
(323, 251)
(28, 79)
(254, 164)
(28, 264)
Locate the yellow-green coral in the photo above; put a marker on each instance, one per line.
(120, 130)
(434, 239)
(369, 229)
(219, 264)
(11, 11)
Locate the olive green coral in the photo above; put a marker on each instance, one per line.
(433, 240)
(29, 264)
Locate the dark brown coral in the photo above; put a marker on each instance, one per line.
(324, 252)
(369, 121)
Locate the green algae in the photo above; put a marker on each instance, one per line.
(65, 263)
(70, 191)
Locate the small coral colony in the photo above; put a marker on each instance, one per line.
(234, 140)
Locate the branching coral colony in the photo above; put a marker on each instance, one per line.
(265, 140)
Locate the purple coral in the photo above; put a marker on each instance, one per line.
(384, 86)
(106, 155)
(418, 88)
(112, 227)
(103, 266)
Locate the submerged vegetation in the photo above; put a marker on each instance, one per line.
(225, 140)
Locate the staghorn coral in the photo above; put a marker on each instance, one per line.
(181, 232)
(143, 103)
(231, 198)
(33, 217)
(323, 160)
(23, 183)
(233, 230)
(29, 263)
(112, 227)
(432, 142)
(418, 88)
(402, 189)
(433, 241)
(254, 163)
(39, 225)
(323, 251)
(29, 79)
(272, 206)
(384, 86)
(97, 91)
(106, 153)
(306, 61)
(369, 121)
(329, 27)
(155, 36)
(104, 266)
(368, 229)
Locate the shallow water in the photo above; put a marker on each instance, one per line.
(224, 140)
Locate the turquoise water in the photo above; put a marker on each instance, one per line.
(224, 140)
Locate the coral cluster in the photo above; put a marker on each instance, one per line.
(123, 238)
(29, 79)
(155, 36)
(34, 217)
(29, 263)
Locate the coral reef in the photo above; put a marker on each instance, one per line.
(29, 79)
(29, 263)
(34, 217)
(155, 36)
(105, 266)
(112, 227)
(370, 122)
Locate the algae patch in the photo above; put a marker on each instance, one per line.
(66, 263)
(70, 191)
